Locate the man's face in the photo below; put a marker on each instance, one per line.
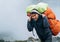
(33, 16)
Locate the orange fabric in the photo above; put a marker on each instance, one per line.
(56, 29)
(49, 13)
(54, 24)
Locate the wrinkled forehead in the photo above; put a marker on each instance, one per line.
(33, 15)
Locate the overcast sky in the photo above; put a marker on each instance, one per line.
(13, 17)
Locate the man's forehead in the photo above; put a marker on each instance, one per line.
(33, 14)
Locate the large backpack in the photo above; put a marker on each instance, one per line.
(54, 23)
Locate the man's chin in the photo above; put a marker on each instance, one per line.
(35, 19)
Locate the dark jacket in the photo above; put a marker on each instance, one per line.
(41, 26)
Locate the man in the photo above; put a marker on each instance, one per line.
(44, 9)
(41, 25)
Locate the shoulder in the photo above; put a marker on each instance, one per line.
(44, 17)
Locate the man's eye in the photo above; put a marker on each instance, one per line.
(34, 15)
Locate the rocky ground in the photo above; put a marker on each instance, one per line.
(31, 39)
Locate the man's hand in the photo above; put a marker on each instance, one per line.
(29, 18)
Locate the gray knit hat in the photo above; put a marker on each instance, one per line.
(34, 12)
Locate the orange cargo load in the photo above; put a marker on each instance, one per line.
(54, 23)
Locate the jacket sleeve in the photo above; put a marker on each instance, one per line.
(30, 26)
(47, 30)
(45, 22)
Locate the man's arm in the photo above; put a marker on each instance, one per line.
(30, 26)
(45, 22)
(47, 30)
